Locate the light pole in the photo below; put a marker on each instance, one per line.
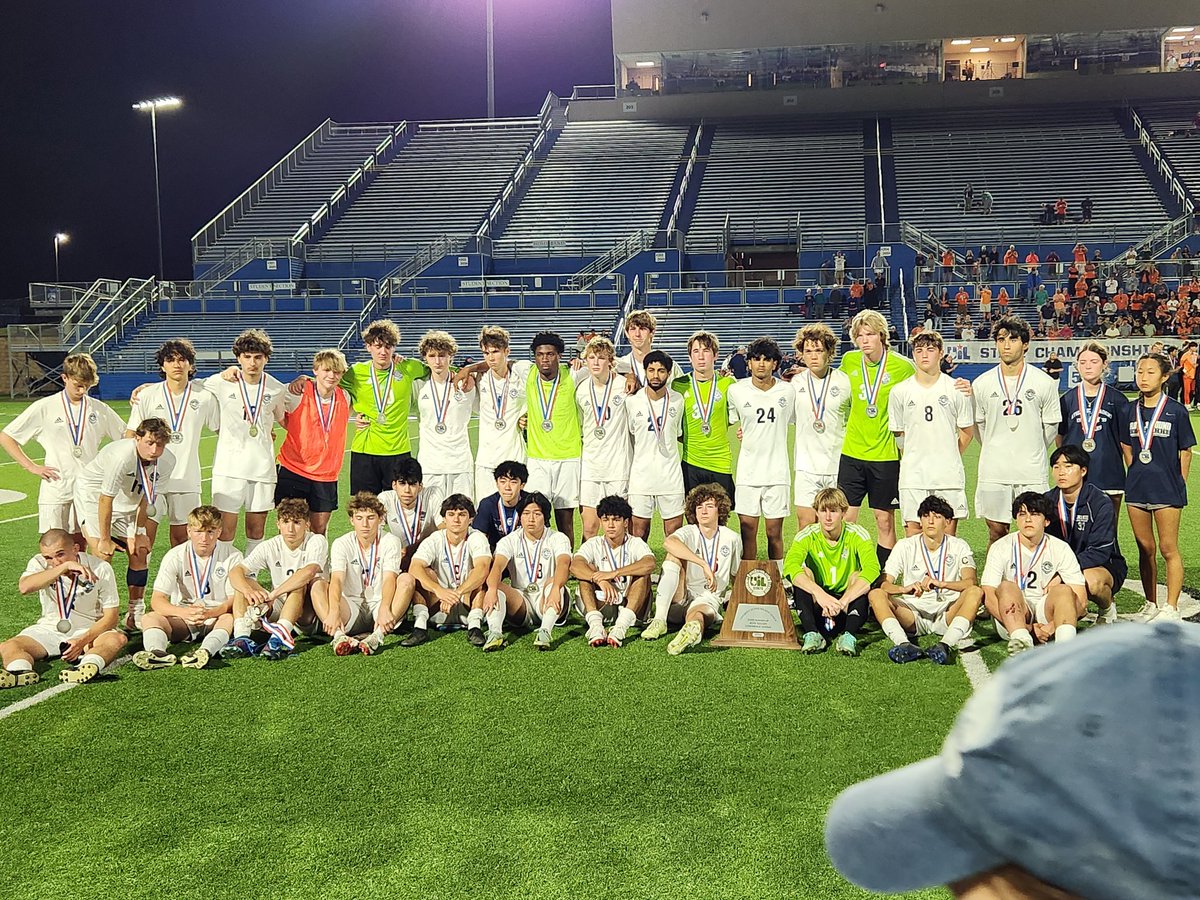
(153, 106)
(491, 65)
(59, 239)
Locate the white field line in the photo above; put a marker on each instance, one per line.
(37, 698)
(976, 669)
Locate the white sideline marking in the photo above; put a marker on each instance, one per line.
(976, 669)
(7, 496)
(55, 691)
(18, 518)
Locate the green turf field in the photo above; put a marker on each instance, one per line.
(441, 772)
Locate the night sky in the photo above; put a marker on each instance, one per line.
(256, 76)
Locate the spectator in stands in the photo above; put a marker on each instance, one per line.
(1002, 300)
(985, 300)
(1091, 314)
(947, 265)
(835, 302)
(879, 266)
(948, 364)
(737, 365)
(931, 313)
(825, 273)
(856, 296)
(1054, 265)
(1125, 327)
(1060, 210)
(986, 205)
(961, 299)
(968, 332)
(1010, 263)
(580, 344)
(1032, 278)
(1047, 314)
(871, 295)
(972, 264)
(818, 306)
(1085, 210)
(1109, 286)
(1047, 215)
(968, 197)
(968, 70)
(1040, 296)
(1080, 253)
(1110, 307)
(1060, 305)
(985, 263)
(839, 268)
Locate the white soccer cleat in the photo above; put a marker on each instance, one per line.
(656, 629)
(80, 674)
(197, 660)
(542, 641)
(1107, 616)
(597, 636)
(1148, 611)
(1016, 645)
(1168, 614)
(153, 659)
(689, 636)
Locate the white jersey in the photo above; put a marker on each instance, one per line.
(605, 458)
(907, 565)
(601, 555)
(282, 563)
(362, 577)
(628, 363)
(87, 605)
(501, 400)
(241, 454)
(1014, 439)
(764, 417)
(445, 452)
(930, 418)
(118, 472)
(451, 565)
(192, 411)
(195, 582)
(1056, 558)
(540, 557)
(403, 523)
(728, 549)
(656, 468)
(48, 421)
(819, 452)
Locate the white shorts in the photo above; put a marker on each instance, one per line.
(911, 500)
(930, 620)
(50, 638)
(709, 603)
(362, 616)
(533, 609)
(232, 495)
(994, 501)
(770, 502)
(123, 526)
(807, 485)
(558, 479)
(1037, 606)
(438, 487)
(57, 515)
(485, 482)
(669, 506)
(592, 492)
(176, 508)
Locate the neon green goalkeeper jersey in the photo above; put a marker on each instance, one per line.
(867, 436)
(706, 451)
(832, 565)
(388, 432)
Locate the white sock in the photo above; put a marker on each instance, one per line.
(251, 543)
(291, 628)
(549, 617)
(1064, 633)
(241, 627)
(420, 616)
(668, 584)
(595, 619)
(94, 658)
(1022, 635)
(625, 618)
(475, 618)
(495, 619)
(217, 638)
(374, 639)
(20, 665)
(958, 630)
(894, 631)
(154, 639)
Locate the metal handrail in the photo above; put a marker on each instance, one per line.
(509, 191)
(255, 248)
(89, 299)
(1159, 159)
(687, 177)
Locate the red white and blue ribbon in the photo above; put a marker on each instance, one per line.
(413, 531)
(201, 581)
(1146, 431)
(1024, 573)
(1086, 422)
(176, 416)
(75, 427)
(251, 409)
(368, 561)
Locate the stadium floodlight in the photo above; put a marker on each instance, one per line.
(1180, 29)
(1178, 37)
(60, 238)
(981, 49)
(960, 42)
(645, 64)
(1008, 40)
(152, 106)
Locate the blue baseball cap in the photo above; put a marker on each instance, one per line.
(1078, 763)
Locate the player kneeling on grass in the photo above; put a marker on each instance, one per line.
(832, 565)
(298, 562)
(711, 554)
(80, 611)
(450, 568)
(613, 569)
(1032, 581)
(538, 562)
(363, 601)
(928, 588)
(192, 598)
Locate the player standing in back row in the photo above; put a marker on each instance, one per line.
(822, 411)
(707, 458)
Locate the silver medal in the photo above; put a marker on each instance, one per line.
(440, 427)
(531, 590)
(77, 452)
(253, 431)
(818, 426)
(382, 420)
(872, 410)
(1089, 445)
(176, 437)
(706, 429)
(64, 626)
(1145, 456)
(599, 433)
(151, 510)
(547, 426)
(499, 423)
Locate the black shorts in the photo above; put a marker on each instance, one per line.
(694, 476)
(322, 496)
(878, 482)
(1119, 569)
(372, 472)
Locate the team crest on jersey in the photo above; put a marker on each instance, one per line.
(458, 394)
(512, 394)
(783, 402)
(618, 401)
(93, 419)
(220, 571)
(1030, 394)
(1047, 567)
(674, 413)
(725, 551)
(943, 400)
(833, 391)
(546, 553)
(194, 405)
(267, 398)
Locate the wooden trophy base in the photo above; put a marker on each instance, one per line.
(757, 614)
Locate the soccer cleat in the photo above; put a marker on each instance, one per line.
(476, 637)
(1168, 614)
(614, 641)
(344, 645)
(274, 648)
(79, 674)
(846, 644)
(656, 629)
(240, 647)
(1148, 611)
(197, 660)
(153, 659)
(542, 640)
(905, 653)
(416, 639)
(18, 679)
(982, 614)
(812, 642)
(689, 636)
(1108, 615)
(1016, 645)
(940, 654)
(494, 642)
(597, 636)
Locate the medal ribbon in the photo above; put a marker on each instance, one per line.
(65, 600)
(75, 428)
(601, 409)
(1016, 394)
(500, 397)
(382, 398)
(149, 483)
(710, 557)
(659, 423)
(411, 532)
(612, 558)
(456, 568)
(548, 405)
(818, 403)
(639, 371)
(532, 565)
(200, 581)
(1089, 423)
(705, 409)
(1024, 572)
(176, 417)
(251, 410)
(1066, 517)
(274, 628)
(441, 405)
(935, 571)
(326, 417)
(368, 562)
(507, 523)
(1146, 432)
(872, 387)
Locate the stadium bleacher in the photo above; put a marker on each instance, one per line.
(1173, 128)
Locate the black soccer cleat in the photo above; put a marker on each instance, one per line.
(416, 639)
